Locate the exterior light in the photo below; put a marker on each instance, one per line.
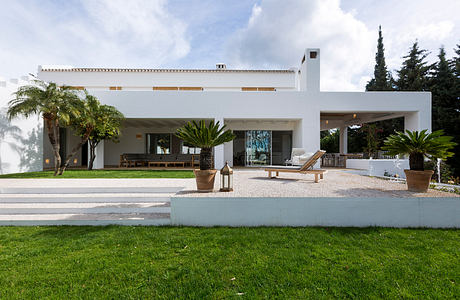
(226, 178)
(354, 116)
(47, 161)
(327, 121)
(75, 161)
(139, 136)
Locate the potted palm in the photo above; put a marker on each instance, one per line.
(419, 145)
(206, 138)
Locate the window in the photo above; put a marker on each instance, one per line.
(313, 54)
(190, 88)
(260, 89)
(115, 88)
(165, 88)
(159, 143)
(187, 148)
(175, 88)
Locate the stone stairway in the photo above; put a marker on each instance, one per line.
(31, 206)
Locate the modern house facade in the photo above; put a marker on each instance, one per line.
(270, 111)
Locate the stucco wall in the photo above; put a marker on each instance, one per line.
(341, 212)
(21, 139)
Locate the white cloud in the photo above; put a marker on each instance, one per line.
(135, 33)
(432, 23)
(278, 33)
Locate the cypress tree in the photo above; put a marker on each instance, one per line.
(413, 74)
(381, 80)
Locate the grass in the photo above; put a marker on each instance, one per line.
(106, 174)
(236, 263)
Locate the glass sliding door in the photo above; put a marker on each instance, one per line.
(258, 147)
(158, 143)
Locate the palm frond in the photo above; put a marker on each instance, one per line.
(202, 136)
(433, 144)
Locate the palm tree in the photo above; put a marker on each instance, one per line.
(57, 106)
(83, 124)
(419, 145)
(205, 138)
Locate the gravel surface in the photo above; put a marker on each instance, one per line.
(336, 183)
(253, 183)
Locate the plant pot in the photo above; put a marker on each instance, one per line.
(205, 180)
(418, 181)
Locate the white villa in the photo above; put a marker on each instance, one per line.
(270, 111)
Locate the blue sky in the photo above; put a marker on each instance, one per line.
(243, 34)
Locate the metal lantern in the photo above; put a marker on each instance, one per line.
(226, 178)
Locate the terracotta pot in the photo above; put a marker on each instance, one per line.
(418, 181)
(205, 180)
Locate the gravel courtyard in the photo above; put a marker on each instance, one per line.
(336, 183)
(251, 183)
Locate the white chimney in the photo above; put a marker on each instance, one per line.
(221, 66)
(310, 70)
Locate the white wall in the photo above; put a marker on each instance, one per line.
(378, 167)
(341, 212)
(146, 80)
(21, 140)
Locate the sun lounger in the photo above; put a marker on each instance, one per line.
(306, 168)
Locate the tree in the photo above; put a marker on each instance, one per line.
(84, 124)
(383, 81)
(372, 138)
(456, 62)
(446, 103)
(330, 141)
(382, 78)
(57, 106)
(206, 138)
(413, 75)
(108, 125)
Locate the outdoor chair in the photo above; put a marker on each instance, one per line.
(306, 168)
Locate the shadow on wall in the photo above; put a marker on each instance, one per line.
(19, 151)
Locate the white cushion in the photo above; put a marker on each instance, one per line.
(305, 157)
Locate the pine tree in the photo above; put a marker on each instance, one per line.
(381, 80)
(456, 62)
(414, 71)
(444, 100)
(445, 91)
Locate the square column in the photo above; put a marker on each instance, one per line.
(219, 153)
(343, 140)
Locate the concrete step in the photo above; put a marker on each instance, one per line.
(84, 208)
(26, 221)
(84, 198)
(88, 190)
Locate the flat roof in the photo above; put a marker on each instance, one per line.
(134, 70)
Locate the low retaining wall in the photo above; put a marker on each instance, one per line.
(340, 212)
(378, 167)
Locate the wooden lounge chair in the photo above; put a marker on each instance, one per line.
(306, 168)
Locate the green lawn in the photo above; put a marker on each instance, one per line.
(201, 263)
(106, 174)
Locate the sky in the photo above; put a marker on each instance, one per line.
(241, 33)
